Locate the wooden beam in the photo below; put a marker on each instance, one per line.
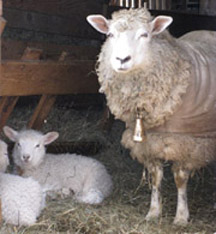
(32, 54)
(42, 110)
(44, 106)
(7, 105)
(13, 50)
(20, 78)
(2, 24)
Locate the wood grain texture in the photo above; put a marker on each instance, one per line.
(53, 24)
(14, 49)
(42, 110)
(2, 24)
(70, 8)
(7, 105)
(36, 78)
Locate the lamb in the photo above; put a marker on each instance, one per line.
(58, 174)
(170, 83)
(21, 198)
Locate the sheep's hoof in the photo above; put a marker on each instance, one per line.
(180, 221)
(152, 216)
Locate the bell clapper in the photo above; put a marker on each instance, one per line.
(139, 132)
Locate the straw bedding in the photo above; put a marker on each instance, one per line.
(124, 211)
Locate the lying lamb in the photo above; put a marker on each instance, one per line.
(86, 177)
(21, 198)
(170, 85)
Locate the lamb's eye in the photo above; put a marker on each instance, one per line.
(145, 34)
(37, 146)
(110, 35)
(18, 144)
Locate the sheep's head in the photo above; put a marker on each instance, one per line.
(29, 149)
(4, 161)
(129, 33)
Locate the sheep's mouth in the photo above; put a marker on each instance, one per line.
(121, 69)
(26, 161)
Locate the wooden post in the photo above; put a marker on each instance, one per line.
(7, 105)
(42, 110)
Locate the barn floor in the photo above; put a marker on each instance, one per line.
(124, 211)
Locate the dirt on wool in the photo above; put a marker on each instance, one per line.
(124, 211)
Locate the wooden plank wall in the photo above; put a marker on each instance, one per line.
(182, 22)
(51, 26)
(208, 7)
(48, 49)
(56, 16)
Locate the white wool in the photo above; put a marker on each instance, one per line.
(4, 162)
(172, 83)
(62, 174)
(21, 198)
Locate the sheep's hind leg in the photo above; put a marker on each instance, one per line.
(156, 172)
(182, 213)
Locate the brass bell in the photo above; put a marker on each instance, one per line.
(139, 132)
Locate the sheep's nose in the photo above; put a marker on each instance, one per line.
(26, 157)
(124, 60)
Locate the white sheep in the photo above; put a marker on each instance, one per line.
(172, 83)
(21, 198)
(61, 174)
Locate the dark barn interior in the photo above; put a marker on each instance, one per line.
(48, 82)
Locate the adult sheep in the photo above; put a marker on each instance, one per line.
(172, 83)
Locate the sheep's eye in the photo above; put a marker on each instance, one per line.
(110, 35)
(18, 144)
(37, 146)
(144, 34)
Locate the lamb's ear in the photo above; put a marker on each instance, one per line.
(99, 22)
(50, 137)
(160, 23)
(10, 133)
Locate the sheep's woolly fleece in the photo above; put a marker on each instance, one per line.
(175, 90)
(167, 70)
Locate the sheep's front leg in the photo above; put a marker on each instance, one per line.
(156, 173)
(182, 213)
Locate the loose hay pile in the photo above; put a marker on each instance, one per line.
(124, 211)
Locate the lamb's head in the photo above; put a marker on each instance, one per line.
(29, 149)
(129, 34)
(4, 161)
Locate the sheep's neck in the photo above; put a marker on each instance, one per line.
(157, 90)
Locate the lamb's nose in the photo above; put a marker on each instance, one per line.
(124, 60)
(26, 157)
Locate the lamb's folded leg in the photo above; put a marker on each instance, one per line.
(156, 172)
(182, 213)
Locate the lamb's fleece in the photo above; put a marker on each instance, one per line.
(62, 174)
(21, 198)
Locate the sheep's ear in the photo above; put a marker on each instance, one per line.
(10, 133)
(98, 22)
(50, 137)
(160, 23)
